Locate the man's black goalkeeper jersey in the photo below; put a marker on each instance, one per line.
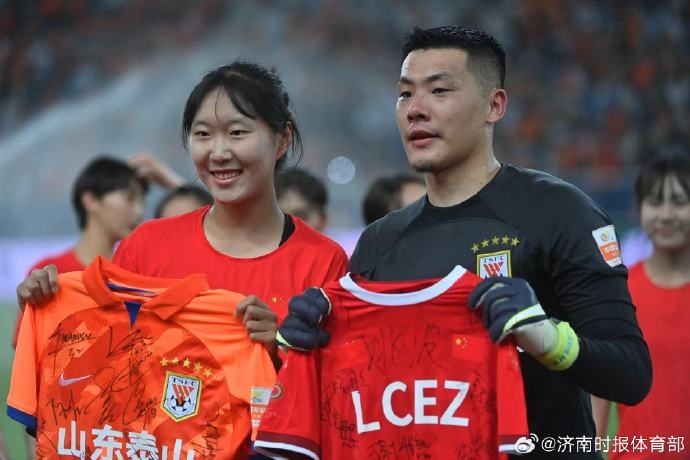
(531, 225)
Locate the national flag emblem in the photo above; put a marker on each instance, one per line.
(606, 240)
(494, 264)
(181, 395)
(469, 347)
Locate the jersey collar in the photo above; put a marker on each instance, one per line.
(171, 294)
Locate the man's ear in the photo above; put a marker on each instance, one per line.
(498, 104)
(89, 201)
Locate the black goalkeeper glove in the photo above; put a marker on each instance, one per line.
(511, 307)
(300, 328)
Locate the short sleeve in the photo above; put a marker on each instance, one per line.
(22, 398)
(291, 421)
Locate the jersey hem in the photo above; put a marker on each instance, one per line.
(264, 447)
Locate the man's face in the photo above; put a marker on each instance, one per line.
(118, 212)
(293, 203)
(441, 111)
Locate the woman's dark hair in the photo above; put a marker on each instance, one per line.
(183, 191)
(653, 172)
(256, 92)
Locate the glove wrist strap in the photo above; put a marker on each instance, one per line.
(565, 351)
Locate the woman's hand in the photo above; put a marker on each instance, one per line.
(40, 286)
(261, 323)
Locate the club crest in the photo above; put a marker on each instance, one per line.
(494, 264)
(181, 395)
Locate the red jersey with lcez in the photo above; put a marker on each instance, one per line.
(177, 246)
(410, 372)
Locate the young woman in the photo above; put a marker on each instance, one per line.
(238, 127)
(660, 288)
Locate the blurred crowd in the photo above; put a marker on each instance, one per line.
(54, 49)
(593, 86)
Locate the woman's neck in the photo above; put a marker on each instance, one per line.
(245, 230)
(669, 268)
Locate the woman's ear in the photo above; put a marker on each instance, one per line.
(285, 141)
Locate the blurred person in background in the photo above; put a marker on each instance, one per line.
(181, 200)
(554, 280)
(660, 288)
(386, 194)
(301, 194)
(108, 199)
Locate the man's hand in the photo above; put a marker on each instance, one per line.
(39, 287)
(511, 307)
(300, 328)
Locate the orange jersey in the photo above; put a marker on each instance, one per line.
(177, 246)
(119, 365)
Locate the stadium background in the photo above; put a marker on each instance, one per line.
(594, 87)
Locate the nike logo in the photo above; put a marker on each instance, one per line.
(65, 382)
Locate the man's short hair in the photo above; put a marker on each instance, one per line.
(200, 194)
(384, 195)
(485, 56)
(305, 184)
(100, 176)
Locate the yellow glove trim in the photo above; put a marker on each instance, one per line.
(566, 350)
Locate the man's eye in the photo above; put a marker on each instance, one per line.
(440, 90)
(404, 94)
(237, 132)
(201, 133)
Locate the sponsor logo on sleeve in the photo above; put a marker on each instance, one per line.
(606, 240)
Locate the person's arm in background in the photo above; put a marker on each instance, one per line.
(600, 413)
(154, 170)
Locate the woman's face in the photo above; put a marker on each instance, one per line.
(666, 218)
(234, 155)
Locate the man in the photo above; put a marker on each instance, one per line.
(388, 193)
(303, 195)
(581, 335)
(108, 200)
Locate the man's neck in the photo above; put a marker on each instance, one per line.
(455, 185)
(93, 242)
